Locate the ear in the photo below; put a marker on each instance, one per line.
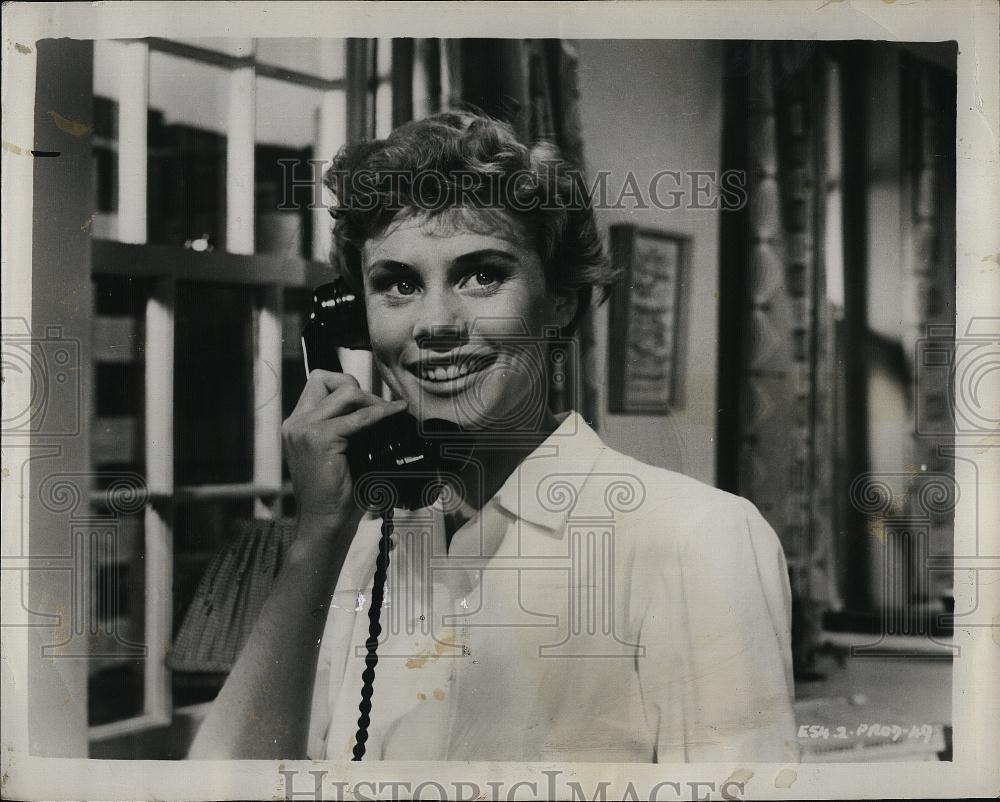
(564, 307)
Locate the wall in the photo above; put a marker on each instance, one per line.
(648, 106)
(61, 534)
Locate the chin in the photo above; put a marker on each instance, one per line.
(477, 413)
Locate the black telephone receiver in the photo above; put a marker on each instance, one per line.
(397, 461)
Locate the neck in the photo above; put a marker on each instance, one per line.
(489, 464)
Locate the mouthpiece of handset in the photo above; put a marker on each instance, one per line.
(402, 462)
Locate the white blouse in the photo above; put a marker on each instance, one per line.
(596, 609)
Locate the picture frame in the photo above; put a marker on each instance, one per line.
(647, 320)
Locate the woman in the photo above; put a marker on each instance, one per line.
(560, 601)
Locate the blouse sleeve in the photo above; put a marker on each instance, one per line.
(716, 679)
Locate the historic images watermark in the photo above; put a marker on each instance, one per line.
(83, 624)
(581, 620)
(910, 513)
(317, 784)
(50, 364)
(666, 189)
(907, 510)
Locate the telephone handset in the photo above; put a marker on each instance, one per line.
(396, 462)
(398, 452)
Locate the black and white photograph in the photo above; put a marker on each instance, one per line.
(505, 401)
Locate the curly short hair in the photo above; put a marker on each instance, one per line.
(465, 160)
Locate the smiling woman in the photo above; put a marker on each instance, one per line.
(559, 600)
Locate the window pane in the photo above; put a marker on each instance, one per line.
(105, 150)
(105, 142)
(383, 91)
(187, 150)
(117, 610)
(213, 396)
(286, 134)
(304, 55)
(383, 58)
(117, 365)
(286, 113)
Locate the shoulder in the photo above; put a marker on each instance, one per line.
(665, 511)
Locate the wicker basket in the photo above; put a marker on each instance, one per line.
(230, 597)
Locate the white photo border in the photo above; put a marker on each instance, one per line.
(976, 694)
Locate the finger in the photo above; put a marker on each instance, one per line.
(320, 384)
(341, 401)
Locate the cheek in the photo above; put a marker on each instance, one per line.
(515, 313)
(389, 334)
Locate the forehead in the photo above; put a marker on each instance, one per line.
(447, 235)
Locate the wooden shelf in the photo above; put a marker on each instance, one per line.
(181, 264)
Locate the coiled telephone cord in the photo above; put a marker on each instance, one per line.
(374, 631)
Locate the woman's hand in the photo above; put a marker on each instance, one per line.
(332, 408)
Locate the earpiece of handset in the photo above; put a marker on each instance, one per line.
(337, 320)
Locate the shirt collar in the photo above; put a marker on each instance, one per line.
(543, 488)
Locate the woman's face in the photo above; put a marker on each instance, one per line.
(456, 319)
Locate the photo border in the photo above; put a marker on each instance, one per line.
(976, 676)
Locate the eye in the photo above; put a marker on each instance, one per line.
(484, 278)
(393, 286)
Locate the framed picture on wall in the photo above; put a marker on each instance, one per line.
(647, 320)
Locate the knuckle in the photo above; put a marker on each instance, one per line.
(350, 392)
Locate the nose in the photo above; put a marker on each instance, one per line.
(441, 326)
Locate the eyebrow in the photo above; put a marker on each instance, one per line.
(458, 263)
(485, 253)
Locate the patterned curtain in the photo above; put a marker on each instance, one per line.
(785, 459)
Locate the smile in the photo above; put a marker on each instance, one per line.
(443, 370)
(443, 374)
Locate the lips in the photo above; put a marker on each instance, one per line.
(443, 369)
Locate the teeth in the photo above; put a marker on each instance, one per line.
(442, 373)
